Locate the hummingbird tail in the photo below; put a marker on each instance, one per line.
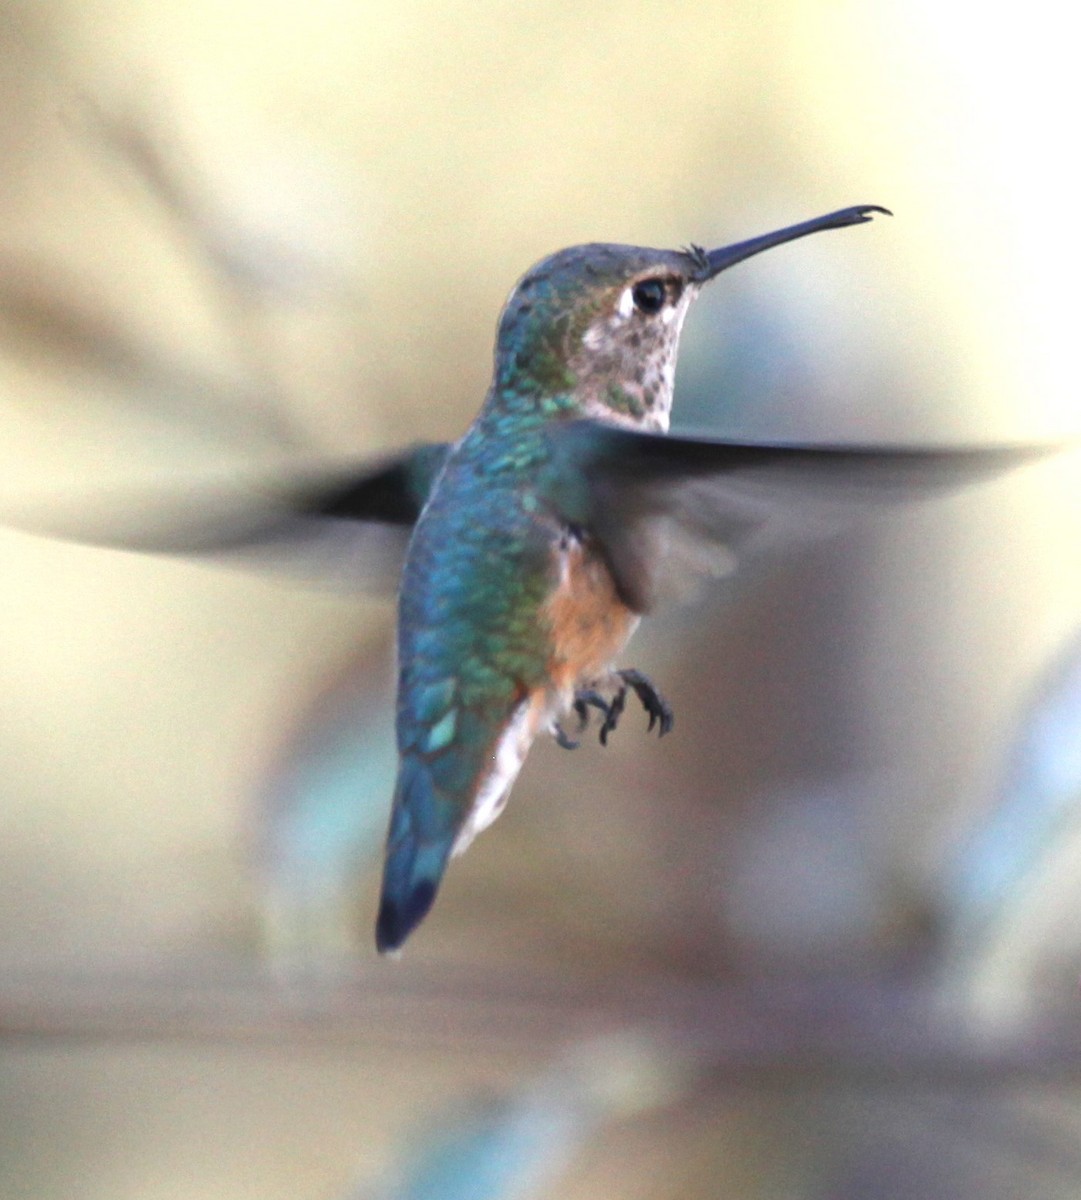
(418, 847)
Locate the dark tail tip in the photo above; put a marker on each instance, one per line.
(398, 918)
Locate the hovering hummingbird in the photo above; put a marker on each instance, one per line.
(545, 533)
(540, 538)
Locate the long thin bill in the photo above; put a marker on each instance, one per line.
(727, 256)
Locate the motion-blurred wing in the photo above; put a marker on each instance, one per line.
(340, 522)
(392, 492)
(664, 507)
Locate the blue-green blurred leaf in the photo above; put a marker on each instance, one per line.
(323, 813)
(1039, 802)
(509, 1147)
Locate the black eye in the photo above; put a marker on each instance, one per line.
(648, 296)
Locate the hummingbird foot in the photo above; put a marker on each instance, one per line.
(583, 701)
(657, 708)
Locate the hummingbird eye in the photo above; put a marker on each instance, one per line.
(649, 296)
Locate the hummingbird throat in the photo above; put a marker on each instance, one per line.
(626, 371)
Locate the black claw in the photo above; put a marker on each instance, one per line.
(563, 740)
(659, 710)
(615, 711)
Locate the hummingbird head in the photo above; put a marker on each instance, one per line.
(600, 324)
(594, 329)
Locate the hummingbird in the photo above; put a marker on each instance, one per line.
(535, 543)
(543, 535)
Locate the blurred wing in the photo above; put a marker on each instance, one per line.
(393, 492)
(343, 522)
(665, 508)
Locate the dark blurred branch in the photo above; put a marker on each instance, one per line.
(877, 1031)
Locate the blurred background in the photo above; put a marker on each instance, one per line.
(823, 941)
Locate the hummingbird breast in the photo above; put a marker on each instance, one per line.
(589, 623)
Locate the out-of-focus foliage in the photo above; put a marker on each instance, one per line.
(1011, 896)
(318, 827)
(511, 1147)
